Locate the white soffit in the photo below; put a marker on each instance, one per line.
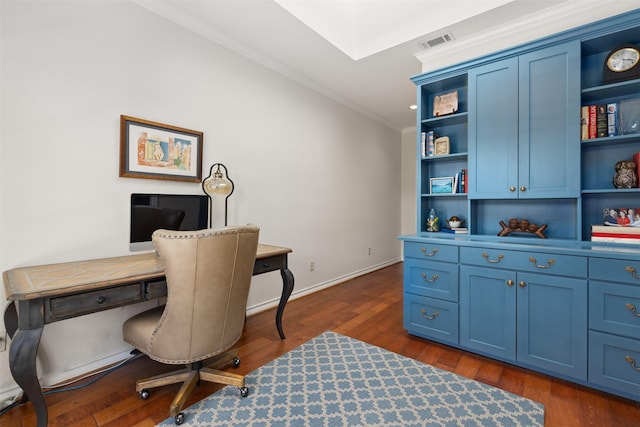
(361, 28)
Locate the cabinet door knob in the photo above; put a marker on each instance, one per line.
(522, 284)
(512, 188)
(523, 188)
(509, 282)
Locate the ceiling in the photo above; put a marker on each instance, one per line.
(363, 52)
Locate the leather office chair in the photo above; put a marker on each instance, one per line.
(208, 274)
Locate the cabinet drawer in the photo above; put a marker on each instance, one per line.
(430, 251)
(538, 262)
(616, 270)
(84, 303)
(431, 279)
(431, 318)
(614, 308)
(615, 362)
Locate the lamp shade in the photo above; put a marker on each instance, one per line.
(217, 184)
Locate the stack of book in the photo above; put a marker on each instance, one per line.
(456, 230)
(613, 234)
(599, 121)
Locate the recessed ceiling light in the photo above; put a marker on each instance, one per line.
(413, 107)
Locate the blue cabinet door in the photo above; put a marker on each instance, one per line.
(524, 141)
(488, 311)
(549, 111)
(493, 130)
(552, 323)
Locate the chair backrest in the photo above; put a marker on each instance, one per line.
(208, 275)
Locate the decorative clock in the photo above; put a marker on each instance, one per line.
(622, 63)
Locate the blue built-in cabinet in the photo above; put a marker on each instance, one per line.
(562, 305)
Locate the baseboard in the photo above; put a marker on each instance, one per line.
(267, 305)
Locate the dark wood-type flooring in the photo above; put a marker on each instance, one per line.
(368, 308)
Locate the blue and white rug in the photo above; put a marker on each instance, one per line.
(336, 381)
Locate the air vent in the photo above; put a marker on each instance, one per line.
(435, 41)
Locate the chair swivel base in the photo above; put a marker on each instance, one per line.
(191, 376)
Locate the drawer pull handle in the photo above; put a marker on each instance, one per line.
(633, 362)
(550, 262)
(632, 309)
(101, 300)
(265, 265)
(433, 278)
(426, 316)
(492, 261)
(633, 272)
(433, 252)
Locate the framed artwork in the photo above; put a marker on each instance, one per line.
(445, 103)
(441, 146)
(159, 151)
(441, 185)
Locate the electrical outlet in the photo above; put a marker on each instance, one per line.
(3, 341)
(312, 266)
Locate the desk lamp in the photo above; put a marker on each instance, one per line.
(217, 184)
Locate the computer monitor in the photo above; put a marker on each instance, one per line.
(150, 212)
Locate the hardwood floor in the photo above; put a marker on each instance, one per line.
(368, 308)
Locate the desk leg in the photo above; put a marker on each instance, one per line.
(287, 288)
(23, 353)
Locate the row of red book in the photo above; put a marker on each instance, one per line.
(599, 121)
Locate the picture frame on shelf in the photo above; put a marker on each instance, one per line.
(445, 103)
(442, 185)
(153, 150)
(441, 146)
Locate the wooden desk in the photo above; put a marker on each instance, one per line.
(48, 293)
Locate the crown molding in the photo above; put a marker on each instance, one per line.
(562, 17)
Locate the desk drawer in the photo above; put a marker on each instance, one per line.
(431, 251)
(89, 302)
(614, 308)
(155, 289)
(273, 263)
(431, 318)
(538, 262)
(615, 269)
(431, 279)
(615, 362)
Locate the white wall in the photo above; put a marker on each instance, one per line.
(313, 174)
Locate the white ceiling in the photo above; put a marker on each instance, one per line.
(363, 52)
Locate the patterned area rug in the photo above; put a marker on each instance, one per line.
(333, 380)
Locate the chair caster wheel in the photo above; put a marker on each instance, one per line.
(144, 394)
(236, 362)
(244, 391)
(179, 419)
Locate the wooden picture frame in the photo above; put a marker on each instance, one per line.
(153, 150)
(445, 103)
(441, 146)
(443, 185)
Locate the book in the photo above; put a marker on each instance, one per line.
(615, 240)
(612, 119)
(457, 230)
(584, 122)
(616, 235)
(423, 145)
(593, 114)
(430, 146)
(463, 181)
(601, 121)
(615, 230)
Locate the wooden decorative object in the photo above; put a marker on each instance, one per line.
(446, 103)
(522, 226)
